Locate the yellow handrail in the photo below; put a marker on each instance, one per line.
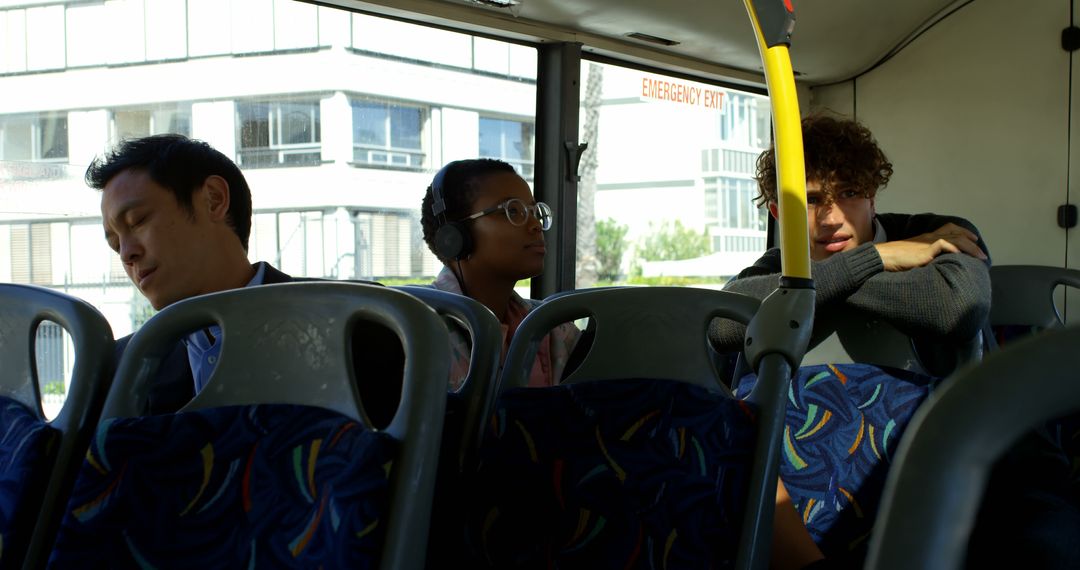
(773, 40)
(779, 348)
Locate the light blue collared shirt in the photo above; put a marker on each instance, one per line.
(202, 346)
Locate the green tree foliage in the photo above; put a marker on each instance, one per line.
(673, 241)
(610, 246)
(54, 388)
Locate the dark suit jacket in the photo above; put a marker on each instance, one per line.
(375, 348)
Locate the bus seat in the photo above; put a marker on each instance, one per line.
(640, 458)
(274, 463)
(466, 410)
(1023, 298)
(854, 336)
(849, 402)
(842, 426)
(472, 401)
(943, 461)
(1035, 481)
(40, 458)
(584, 342)
(845, 335)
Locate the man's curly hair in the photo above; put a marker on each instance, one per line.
(839, 153)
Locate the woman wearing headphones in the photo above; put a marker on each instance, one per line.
(480, 219)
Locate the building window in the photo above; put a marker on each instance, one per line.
(745, 120)
(294, 241)
(386, 134)
(384, 244)
(279, 133)
(136, 123)
(736, 205)
(49, 353)
(42, 138)
(31, 254)
(712, 208)
(90, 259)
(509, 141)
(739, 162)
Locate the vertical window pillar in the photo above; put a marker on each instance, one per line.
(557, 101)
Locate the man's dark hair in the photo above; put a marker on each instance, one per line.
(839, 153)
(458, 189)
(180, 165)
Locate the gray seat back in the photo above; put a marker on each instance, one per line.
(1024, 294)
(943, 461)
(662, 333)
(640, 332)
(854, 336)
(22, 309)
(478, 389)
(291, 343)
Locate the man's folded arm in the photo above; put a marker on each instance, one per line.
(948, 298)
(835, 279)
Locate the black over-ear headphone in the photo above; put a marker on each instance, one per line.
(453, 240)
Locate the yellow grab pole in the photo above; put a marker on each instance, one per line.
(773, 21)
(777, 336)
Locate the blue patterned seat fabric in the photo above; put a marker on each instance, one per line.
(613, 474)
(268, 486)
(27, 451)
(841, 428)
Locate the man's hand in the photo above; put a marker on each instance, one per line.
(920, 250)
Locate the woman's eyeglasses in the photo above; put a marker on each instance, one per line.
(517, 211)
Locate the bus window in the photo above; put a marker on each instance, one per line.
(337, 119)
(666, 195)
(55, 360)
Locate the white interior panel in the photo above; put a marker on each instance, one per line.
(978, 106)
(835, 99)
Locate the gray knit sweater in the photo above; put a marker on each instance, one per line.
(949, 298)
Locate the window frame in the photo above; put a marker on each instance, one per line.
(36, 123)
(310, 152)
(524, 166)
(417, 158)
(183, 107)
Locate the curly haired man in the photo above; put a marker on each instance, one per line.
(926, 274)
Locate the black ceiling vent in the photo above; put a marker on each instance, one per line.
(652, 39)
(496, 3)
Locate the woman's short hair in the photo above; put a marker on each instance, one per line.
(458, 188)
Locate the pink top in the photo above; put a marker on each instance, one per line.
(551, 357)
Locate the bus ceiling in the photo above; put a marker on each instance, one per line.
(838, 40)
